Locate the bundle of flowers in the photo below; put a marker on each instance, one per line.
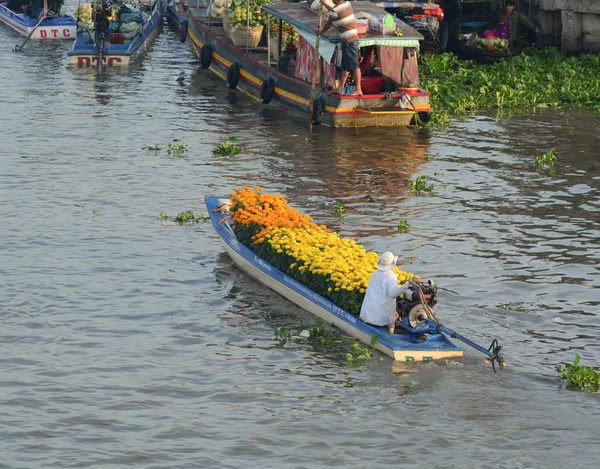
(336, 268)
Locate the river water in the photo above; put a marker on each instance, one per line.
(131, 341)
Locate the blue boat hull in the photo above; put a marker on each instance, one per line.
(85, 54)
(64, 27)
(401, 347)
(175, 16)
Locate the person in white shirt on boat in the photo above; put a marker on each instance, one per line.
(379, 305)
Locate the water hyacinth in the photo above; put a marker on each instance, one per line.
(538, 77)
(336, 268)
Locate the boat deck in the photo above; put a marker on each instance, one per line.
(259, 54)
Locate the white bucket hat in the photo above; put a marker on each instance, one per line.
(387, 261)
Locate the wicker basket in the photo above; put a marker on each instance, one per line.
(242, 36)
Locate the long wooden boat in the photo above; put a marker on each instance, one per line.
(468, 18)
(56, 26)
(176, 16)
(401, 347)
(288, 79)
(84, 52)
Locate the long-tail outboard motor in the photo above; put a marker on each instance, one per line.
(410, 307)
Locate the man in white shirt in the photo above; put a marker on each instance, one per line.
(379, 305)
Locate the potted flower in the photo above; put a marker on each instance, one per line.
(409, 88)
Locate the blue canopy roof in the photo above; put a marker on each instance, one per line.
(305, 20)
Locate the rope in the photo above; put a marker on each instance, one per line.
(426, 307)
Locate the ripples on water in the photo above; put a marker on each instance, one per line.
(130, 341)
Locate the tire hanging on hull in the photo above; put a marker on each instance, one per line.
(183, 31)
(267, 91)
(205, 56)
(233, 76)
(425, 116)
(318, 110)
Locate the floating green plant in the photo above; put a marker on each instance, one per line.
(547, 160)
(315, 332)
(359, 352)
(403, 226)
(228, 147)
(154, 147)
(188, 216)
(318, 333)
(419, 186)
(512, 307)
(579, 376)
(283, 334)
(176, 149)
(173, 149)
(340, 209)
(538, 77)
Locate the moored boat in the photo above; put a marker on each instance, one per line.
(133, 38)
(390, 62)
(33, 22)
(176, 16)
(403, 347)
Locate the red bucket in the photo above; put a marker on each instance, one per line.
(371, 85)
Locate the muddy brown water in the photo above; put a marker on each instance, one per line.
(129, 341)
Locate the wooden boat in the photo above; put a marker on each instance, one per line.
(54, 26)
(288, 79)
(473, 16)
(84, 52)
(402, 347)
(176, 16)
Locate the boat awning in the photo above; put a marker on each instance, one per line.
(306, 21)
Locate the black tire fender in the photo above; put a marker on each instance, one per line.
(318, 110)
(425, 116)
(183, 27)
(233, 76)
(267, 91)
(205, 56)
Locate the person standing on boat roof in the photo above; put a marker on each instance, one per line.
(379, 305)
(341, 16)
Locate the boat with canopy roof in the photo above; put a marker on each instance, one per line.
(270, 71)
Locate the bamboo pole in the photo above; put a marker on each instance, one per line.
(311, 106)
(248, 27)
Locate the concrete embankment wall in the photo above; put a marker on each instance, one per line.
(572, 25)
